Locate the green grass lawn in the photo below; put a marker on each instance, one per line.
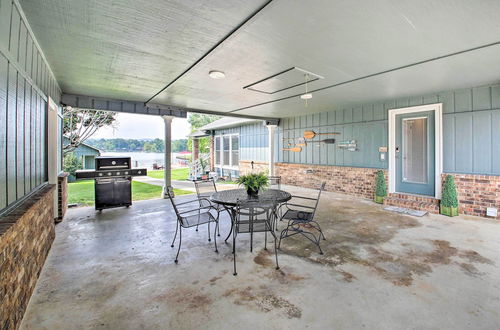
(82, 192)
(177, 173)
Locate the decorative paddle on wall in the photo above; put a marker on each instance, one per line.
(312, 134)
(325, 141)
(295, 149)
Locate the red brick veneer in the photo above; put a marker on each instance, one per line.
(477, 192)
(356, 181)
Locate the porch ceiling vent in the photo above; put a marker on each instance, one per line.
(283, 80)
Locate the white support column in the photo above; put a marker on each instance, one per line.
(168, 154)
(52, 146)
(272, 140)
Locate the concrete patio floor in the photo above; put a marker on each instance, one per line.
(380, 270)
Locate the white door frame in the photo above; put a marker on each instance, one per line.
(438, 149)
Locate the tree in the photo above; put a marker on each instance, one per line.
(198, 120)
(71, 163)
(79, 125)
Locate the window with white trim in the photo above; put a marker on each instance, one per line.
(227, 151)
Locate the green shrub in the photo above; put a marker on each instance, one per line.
(380, 187)
(71, 163)
(449, 197)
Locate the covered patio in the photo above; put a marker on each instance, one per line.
(322, 93)
(380, 270)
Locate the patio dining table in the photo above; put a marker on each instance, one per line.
(230, 198)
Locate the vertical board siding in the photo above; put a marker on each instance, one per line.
(11, 135)
(471, 142)
(4, 67)
(254, 141)
(26, 82)
(20, 137)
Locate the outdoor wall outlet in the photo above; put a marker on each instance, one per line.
(382, 156)
(492, 212)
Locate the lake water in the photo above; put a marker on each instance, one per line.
(147, 159)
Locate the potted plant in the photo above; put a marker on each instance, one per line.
(253, 182)
(449, 200)
(380, 187)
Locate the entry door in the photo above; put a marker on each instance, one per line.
(415, 153)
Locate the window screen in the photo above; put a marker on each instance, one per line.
(235, 150)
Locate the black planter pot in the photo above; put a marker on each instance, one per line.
(252, 192)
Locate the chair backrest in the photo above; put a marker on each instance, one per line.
(171, 196)
(321, 188)
(251, 211)
(275, 182)
(205, 188)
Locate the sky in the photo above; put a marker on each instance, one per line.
(133, 126)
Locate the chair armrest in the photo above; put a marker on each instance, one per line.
(303, 197)
(193, 200)
(303, 206)
(207, 208)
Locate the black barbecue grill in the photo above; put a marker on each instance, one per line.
(113, 181)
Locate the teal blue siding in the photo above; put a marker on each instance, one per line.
(26, 82)
(471, 138)
(253, 141)
(85, 154)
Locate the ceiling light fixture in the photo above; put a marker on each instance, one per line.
(307, 95)
(214, 74)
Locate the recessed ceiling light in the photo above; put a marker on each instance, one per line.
(306, 96)
(214, 74)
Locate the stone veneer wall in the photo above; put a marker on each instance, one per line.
(26, 234)
(477, 192)
(354, 181)
(245, 167)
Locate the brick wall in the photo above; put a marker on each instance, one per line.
(245, 167)
(62, 193)
(26, 235)
(477, 192)
(350, 180)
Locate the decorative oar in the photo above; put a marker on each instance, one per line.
(312, 134)
(326, 141)
(295, 149)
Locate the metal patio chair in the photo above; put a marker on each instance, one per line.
(301, 219)
(252, 217)
(275, 182)
(190, 214)
(205, 189)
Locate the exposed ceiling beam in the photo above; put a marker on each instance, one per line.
(210, 112)
(98, 103)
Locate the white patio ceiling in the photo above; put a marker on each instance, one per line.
(365, 50)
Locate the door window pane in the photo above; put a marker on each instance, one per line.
(415, 150)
